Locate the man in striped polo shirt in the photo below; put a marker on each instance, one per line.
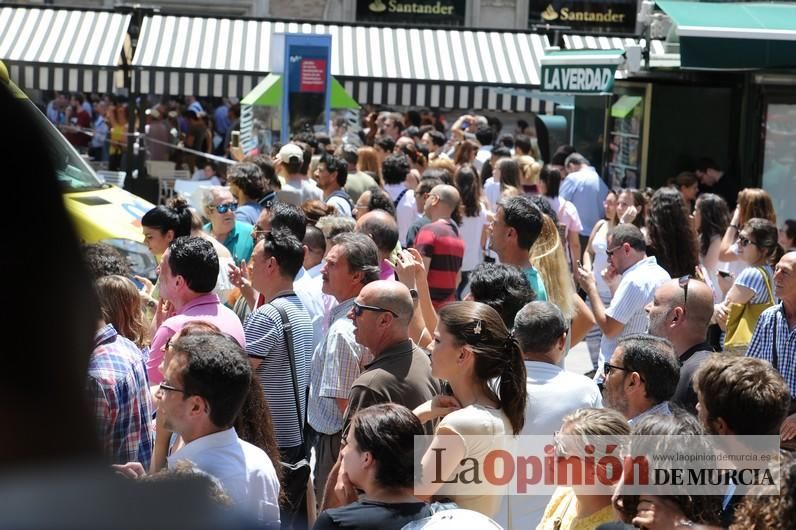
(641, 276)
(440, 245)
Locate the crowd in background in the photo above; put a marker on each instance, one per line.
(416, 267)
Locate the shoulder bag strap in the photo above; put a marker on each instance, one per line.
(288, 330)
(768, 284)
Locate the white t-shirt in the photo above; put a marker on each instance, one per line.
(406, 209)
(492, 192)
(297, 191)
(553, 393)
(470, 232)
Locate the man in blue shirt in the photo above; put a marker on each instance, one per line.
(584, 188)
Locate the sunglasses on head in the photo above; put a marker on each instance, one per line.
(360, 308)
(226, 207)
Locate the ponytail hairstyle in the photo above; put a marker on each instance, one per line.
(765, 236)
(497, 355)
(175, 216)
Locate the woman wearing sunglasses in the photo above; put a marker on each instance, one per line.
(474, 351)
(220, 207)
(760, 251)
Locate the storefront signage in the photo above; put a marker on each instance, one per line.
(578, 79)
(611, 15)
(440, 12)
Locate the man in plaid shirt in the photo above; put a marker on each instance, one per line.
(119, 395)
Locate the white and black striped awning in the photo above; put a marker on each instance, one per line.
(464, 69)
(62, 49)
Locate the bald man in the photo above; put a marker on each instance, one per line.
(400, 372)
(440, 245)
(382, 228)
(681, 311)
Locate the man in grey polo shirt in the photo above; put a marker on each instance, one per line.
(350, 264)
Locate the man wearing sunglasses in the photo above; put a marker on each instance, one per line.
(220, 207)
(641, 377)
(641, 275)
(681, 311)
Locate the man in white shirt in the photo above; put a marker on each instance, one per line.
(395, 169)
(553, 393)
(641, 276)
(202, 392)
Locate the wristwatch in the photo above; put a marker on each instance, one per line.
(414, 294)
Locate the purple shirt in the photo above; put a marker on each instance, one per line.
(205, 308)
(386, 271)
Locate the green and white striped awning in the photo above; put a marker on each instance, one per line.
(734, 36)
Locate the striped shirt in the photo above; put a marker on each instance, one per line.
(752, 279)
(635, 291)
(762, 345)
(335, 367)
(120, 397)
(265, 340)
(440, 241)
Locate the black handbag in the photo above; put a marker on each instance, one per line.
(295, 475)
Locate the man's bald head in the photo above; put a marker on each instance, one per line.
(381, 227)
(670, 306)
(390, 295)
(448, 195)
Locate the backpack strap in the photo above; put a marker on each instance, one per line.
(400, 196)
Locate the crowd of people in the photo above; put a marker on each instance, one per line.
(331, 302)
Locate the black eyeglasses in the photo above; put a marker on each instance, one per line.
(257, 235)
(226, 207)
(166, 386)
(360, 308)
(745, 241)
(683, 282)
(610, 252)
(608, 367)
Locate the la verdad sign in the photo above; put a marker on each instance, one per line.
(578, 79)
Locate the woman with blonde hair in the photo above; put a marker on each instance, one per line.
(571, 508)
(529, 173)
(368, 162)
(752, 203)
(548, 257)
(121, 305)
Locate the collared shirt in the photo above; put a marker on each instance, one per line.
(207, 308)
(335, 367)
(635, 291)
(245, 471)
(663, 408)
(265, 340)
(315, 272)
(587, 191)
(239, 241)
(119, 394)
(267, 200)
(762, 345)
(536, 283)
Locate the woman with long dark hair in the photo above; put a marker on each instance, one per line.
(711, 217)
(475, 352)
(549, 184)
(671, 238)
(474, 222)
